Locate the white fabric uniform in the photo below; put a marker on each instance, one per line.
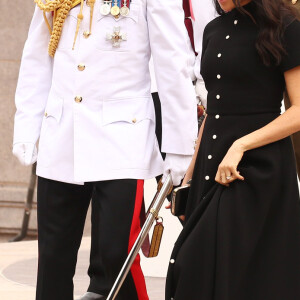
(202, 13)
(190, 62)
(111, 133)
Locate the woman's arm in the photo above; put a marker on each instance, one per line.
(283, 126)
(189, 173)
(190, 170)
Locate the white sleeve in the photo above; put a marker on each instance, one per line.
(152, 75)
(169, 48)
(34, 82)
(191, 58)
(203, 12)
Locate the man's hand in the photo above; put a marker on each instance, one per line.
(176, 165)
(201, 92)
(26, 153)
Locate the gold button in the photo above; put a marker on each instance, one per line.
(81, 67)
(86, 34)
(134, 120)
(78, 99)
(46, 115)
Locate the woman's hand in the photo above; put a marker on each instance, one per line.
(182, 218)
(227, 171)
(187, 178)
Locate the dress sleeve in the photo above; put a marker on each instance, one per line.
(292, 45)
(204, 42)
(204, 45)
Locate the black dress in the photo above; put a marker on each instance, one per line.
(241, 242)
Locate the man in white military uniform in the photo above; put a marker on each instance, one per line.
(90, 106)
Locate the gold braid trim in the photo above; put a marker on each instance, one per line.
(60, 10)
(64, 7)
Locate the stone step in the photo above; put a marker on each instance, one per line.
(12, 206)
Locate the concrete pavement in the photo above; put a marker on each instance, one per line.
(18, 265)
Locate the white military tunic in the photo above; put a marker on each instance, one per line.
(91, 107)
(203, 12)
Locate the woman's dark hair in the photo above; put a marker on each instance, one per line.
(271, 17)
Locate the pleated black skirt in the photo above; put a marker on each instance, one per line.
(240, 242)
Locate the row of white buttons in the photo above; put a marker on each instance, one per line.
(218, 96)
(220, 55)
(210, 157)
(172, 261)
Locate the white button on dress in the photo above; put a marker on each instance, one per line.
(206, 177)
(235, 22)
(219, 76)
(218, 97)
(214, 137)
(227, 37)
(209, 156)
(217, 116)
(219, 55)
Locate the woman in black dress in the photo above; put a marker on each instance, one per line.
(241, 239)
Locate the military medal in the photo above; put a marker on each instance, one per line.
(115, 10)
(124, 11)
(105, 8)
(116, 37)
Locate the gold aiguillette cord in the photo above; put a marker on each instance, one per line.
(79, 20)
(91, 3)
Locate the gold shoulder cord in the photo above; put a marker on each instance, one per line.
(60, 10)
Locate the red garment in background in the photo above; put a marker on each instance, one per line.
(188, 21)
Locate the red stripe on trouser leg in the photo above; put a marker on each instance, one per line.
(136, 270)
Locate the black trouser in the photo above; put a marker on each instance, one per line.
(158, 120)
(95, 267)
(62, 210)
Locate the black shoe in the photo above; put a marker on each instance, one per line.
(92, 296)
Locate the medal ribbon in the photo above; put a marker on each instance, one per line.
(127, 2)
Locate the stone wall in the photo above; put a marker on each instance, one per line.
(14, 178)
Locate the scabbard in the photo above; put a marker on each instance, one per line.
(156, 204)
